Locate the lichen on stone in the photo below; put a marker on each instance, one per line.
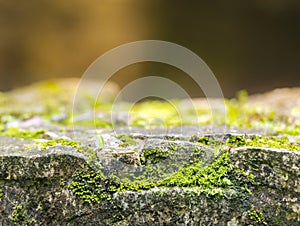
(70, 168)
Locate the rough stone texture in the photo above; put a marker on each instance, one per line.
(278, 175)
(35, 182)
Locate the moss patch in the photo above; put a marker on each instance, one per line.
(218, 177)
(98, 123)
(127, 140)
(154, 155)
(282, 142)
(257, 217)
(264, 141)
(93, 186)
(154, 113)
(243, 115)
(207, 140)
(25, 134)
(215, 175)
(214, 179)
(20, 217)
(60, 141)
(86, 150)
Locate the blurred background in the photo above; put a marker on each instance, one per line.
(252, 45)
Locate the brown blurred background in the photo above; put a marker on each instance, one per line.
(253, 45)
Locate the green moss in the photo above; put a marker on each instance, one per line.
(236, 141)
(264, 141)
(127, 140)
(207, 140)
(60, 141)
(16, 213)
(25, 134)
(118, 217)
(248, 141)
(234, 115)
(293, 130)
(242, 96)
(256, 217)
(214, 179)
(87, 151)
(195, 175)
(93, 187)
(92, 122)
(137, 185)
(19, 216)
(241, 114)
(155, 113)
(99, 123)
(153, 156)
(62, 182)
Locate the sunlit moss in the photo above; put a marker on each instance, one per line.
(25, 134)
(281, 142)
(263, 141)
(93, 186)
(272, 142)
(293, 130)
(214, 179)
(64, 142)
(241, 114)
(155, 113)
(94, 122)
(87, 151)
(220, 176)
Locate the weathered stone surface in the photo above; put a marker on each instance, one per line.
(277, 172)
(34, 189)
(53, 172)
(32, 184)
